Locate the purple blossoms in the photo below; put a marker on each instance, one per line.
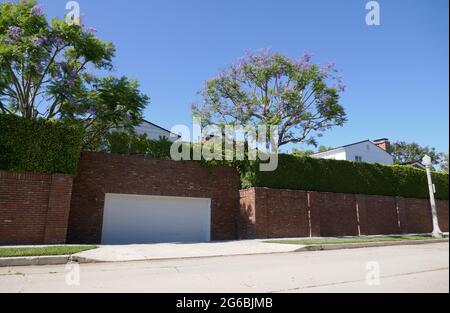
(14, 32)
(91, 30)
(58, 41)
(38, 41)
(128, 117)
(37, 10)
(92, 111)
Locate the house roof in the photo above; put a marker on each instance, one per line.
(354, 144)
(416, 163)
(162, 128)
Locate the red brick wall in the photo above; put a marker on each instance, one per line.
(442, 206)
(101, 173)
(247, 218)
(378, 215)
(338, 216)
(287, 213)
(279, 213)
(417, 215)
(34, 208)
(272, 213)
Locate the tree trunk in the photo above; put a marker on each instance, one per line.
(27, 112)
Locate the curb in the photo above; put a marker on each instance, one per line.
(83, 260)
(64, 259)
(330, 247)
(38, 260)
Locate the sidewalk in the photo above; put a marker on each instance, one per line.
(181, 251)
(148, 252)
(217, 249)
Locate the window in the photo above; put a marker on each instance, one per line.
(358, 158)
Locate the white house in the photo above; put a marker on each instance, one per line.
(365, 151)
(154, 132)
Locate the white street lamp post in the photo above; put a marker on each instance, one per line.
(437, 233)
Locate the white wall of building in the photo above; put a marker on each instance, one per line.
(153, 132)
(369, 153)
(366, 152)
(338, 154)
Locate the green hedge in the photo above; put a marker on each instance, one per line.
(40, 146)
(124, 143)
(304, 173)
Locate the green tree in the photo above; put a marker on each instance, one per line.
(444, 164)
(46, 71)
(325, 149)
(302, 153)
(405, 152)
(266, 88)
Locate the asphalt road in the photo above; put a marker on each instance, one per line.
(421, 268)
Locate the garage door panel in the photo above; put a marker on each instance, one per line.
(132, 219)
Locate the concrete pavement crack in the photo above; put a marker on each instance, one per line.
(357, 281)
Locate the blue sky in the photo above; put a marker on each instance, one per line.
(397, 73)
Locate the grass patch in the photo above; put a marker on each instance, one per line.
(329, 241)
(43, 251)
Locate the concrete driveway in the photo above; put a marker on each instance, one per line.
(123, 253)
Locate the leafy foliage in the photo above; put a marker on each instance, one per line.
(132, 144)
(325, 149)
(445, 163)
(46, 71)
(266, 88)
(129, 143)
(300, 153)
(404, 152)
(37, 145)
(109, 107)
(304, 173)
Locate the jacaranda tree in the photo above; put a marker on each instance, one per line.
(267, 88)
(47, 71)
(406, 152)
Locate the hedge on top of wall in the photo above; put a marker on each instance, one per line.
(39, 146)
(310, 174)
(129, 144)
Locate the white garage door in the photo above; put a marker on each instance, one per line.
(130, 219)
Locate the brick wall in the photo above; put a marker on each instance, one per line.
(279, 213)
(101, 173)
(34, 208)
(247, 216)
(337, 214)
(443, 214)
(378, 215)
(273, 213)
(287, 208)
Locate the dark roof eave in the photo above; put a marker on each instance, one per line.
(162, 128)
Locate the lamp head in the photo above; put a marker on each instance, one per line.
(426, 160)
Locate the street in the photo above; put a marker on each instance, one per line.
(418, 268)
